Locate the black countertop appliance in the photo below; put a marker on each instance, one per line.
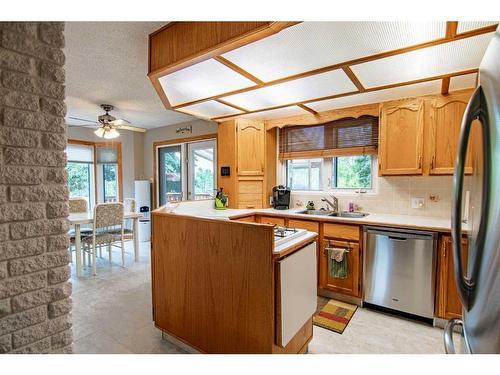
(281, 197)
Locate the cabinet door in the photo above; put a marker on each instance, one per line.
(448, 302)
(401, 137)
(251, 152)
(350, 285)
(445, 121)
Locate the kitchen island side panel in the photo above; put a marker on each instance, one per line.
(213, 284)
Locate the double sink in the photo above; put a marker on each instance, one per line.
(353, 215)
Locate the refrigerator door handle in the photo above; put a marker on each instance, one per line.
(466, 285)
(449, 346)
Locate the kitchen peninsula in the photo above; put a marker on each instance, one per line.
(222, 286)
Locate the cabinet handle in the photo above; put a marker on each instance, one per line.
(432, 162)
(444, 249)
(420, 162)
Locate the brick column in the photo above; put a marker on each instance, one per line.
(35, 302)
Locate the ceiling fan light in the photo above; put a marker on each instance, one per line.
(111, 133)
(99, 132)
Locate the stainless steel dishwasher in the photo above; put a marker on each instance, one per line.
(399, 270)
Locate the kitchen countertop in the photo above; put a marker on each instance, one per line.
(205, 209)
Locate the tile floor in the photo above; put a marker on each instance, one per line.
(112, 314)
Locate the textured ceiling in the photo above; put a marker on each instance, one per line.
(106, 62)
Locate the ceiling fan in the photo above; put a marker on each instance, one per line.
(108, 125)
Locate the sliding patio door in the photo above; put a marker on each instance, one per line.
(170, 173)
(201, 170)
(186, 171)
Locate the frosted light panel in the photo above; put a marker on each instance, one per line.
(311, 45)
(277, 113)
(425, 88)
(466, 81)
(445, 58)
(329, 83)
(202, 80)
(209, 109)
(464, 26)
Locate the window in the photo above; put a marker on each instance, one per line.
(80, 169)
(186, 171)
(304, 174)
(110, 182)
(97, 180)
(335, 155)
(352, 172)
(108, 170)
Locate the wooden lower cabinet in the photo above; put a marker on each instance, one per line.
(247, 219)
(272, 220)
(347, 236)
(351, 284)
(448, 304)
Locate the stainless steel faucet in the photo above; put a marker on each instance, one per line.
(334, 203)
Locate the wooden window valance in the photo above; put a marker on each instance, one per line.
(343, 137)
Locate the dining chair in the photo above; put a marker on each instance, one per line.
(108, 229)
(129, 205)
(77, 205)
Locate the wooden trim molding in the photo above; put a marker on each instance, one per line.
(238, 69)
(355, 80)
(368, 150)
(174, 142)
(327, 116)
(445, 85)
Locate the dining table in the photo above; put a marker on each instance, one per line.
(77, 219)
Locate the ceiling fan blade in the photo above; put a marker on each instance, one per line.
(94, 126)
(82, 119)
(131, 128)
(119, 122)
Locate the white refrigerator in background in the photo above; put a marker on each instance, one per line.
(143, 202)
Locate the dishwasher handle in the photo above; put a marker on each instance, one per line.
(402, 239)
(400, 235)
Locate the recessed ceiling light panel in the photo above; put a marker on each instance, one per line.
(466, 81)
(201, 80)
(312, 45)
(209, 109)
(418, 89)
(325, 84)
(445, 58)
(464, 26)
(277, 113)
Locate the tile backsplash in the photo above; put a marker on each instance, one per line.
(393, 196)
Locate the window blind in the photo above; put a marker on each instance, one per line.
(337, 138)
(79, 153)
(107, 155)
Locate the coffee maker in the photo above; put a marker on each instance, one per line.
(281, 197)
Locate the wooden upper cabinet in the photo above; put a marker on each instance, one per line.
(445, 120)
(401, 137)
(251, 147)
(448, 304)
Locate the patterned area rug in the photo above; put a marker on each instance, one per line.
(335, 315)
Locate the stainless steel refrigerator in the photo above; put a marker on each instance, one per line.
(479, 284)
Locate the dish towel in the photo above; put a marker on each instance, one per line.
(337, 262)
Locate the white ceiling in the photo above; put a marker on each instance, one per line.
(106, 62)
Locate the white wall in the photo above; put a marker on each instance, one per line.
(200, 127)
(132, 154)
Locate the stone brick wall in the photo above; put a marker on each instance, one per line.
(35, 302)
